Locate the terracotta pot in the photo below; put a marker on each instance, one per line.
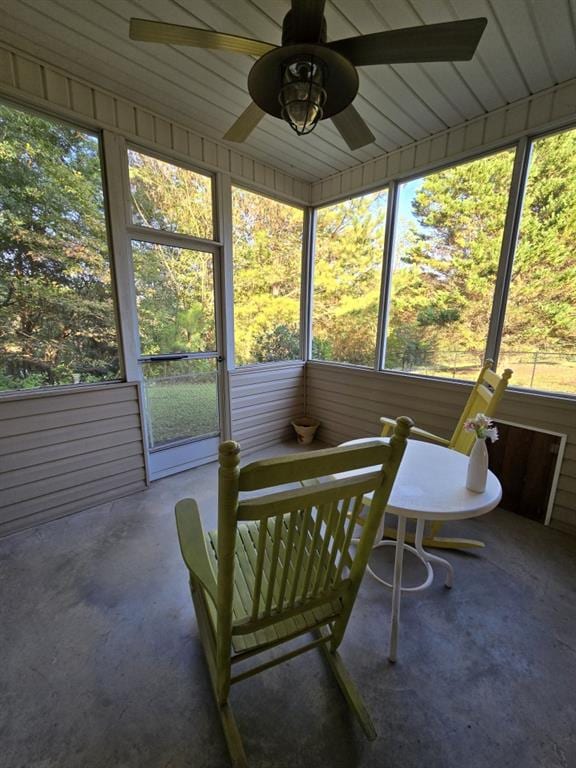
(305, 429)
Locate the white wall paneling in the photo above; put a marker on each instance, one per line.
(68, 449)
(264, 400)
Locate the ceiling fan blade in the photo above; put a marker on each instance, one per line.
(307, 21)
(352, 128)
(450, 41)
(245, 124)
(175, 34)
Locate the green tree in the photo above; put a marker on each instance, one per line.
(347, 276)
(169, 197)
(541, 310)
(56, 312)
(446, 268)
(267, 262)
(175, 298)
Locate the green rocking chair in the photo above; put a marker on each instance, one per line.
(484, 397)
(282, 564)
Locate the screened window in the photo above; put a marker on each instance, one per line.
(181, 399)
(447, 246)
(175, 299)
(347, 278)
(171, 198)
(539, 339)
(57, 321)
(267, 242)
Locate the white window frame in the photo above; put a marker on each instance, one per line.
(78, 125)
(522, 148)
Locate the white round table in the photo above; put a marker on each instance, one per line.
(430, 487)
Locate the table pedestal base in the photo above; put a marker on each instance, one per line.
(438, 542)
(426, 557)
(396, 586)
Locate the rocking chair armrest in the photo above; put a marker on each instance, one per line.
(193, 545)
(389, 424)
(417, 432)
(310, 482)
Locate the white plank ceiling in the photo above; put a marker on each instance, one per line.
(528, 45)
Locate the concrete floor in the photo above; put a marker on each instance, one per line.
(101, 665)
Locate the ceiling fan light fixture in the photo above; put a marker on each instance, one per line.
(303, 95)
(290, 81)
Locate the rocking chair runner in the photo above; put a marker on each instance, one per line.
(282, 564)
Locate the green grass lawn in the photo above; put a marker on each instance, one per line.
(553, 375)
(180, 410)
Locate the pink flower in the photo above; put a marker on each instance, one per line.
(482, 425)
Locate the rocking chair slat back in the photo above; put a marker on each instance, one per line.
(294, 468)
(303, 546)
(282, 502)
(302, 555)
(484, 398)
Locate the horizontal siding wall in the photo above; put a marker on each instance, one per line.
(64, 451)
(31, 81)
(263, 402)
(349, 401)
(549, 109)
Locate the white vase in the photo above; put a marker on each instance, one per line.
(477, 467)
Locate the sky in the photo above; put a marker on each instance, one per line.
(407, 192)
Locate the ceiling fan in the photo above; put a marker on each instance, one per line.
(307, 79)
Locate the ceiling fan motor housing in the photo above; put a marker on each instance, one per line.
(292, 33)
(340, 83)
